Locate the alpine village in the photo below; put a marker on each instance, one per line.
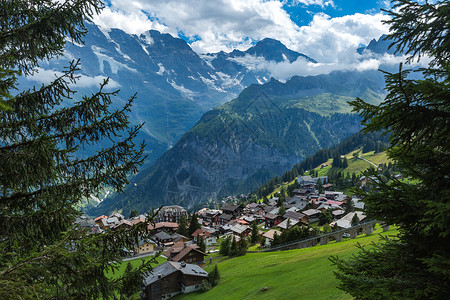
(139, 160)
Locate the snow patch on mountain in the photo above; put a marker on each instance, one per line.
(251, 62)
(147, 38)
(184, 91)
(115, 65)
(161, 69)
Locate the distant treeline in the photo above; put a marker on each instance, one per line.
(368, 142)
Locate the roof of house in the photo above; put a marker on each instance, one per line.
(101, 217)
(163, 236)
(269, 234)
(170, 267)
(226, 216)
(145, 241)
(284, 224)
(331, 202)
(201, 233)
(305, 178)
(293, 215)
(166, 225)
(349, 216)
(139, 219)
(238, 228)
(230, 207)
(180, 256)
(177, 247)
(338, 212)
(311, 212)
(176, 237)
(123, 222)
(270, 216)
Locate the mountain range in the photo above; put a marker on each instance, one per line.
(201, 145)
(175, 86)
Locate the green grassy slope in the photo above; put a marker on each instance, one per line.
(356, 165)
(294, 274)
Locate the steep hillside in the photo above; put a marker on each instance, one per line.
(294, 274)
(240, 145)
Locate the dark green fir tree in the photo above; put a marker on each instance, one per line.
(416, 115)
(42, 254)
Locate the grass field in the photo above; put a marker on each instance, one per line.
(356, 165)
(294, 274)
(134, 262)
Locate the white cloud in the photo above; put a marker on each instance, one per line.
(236, 24)
(233, 24)
(321, 3)
(133, 22)
(285, 70)
(47, 76)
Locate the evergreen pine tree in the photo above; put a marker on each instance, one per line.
(42, 178)
(225, 246)
(255, 233)
(416, 116)
(345, 163)
(214, 276)
(134, 213)
(193, 225)
(201, 243)
(182, 226)
(355, 220)
(233, 250)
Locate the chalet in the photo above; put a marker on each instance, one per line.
(210, 216)
(254, 209)
(311, 215)
(301, 192)
(346, 221)
(239, 230)
(122, 225)
(324, 207)
(225, 218)
(272, 220)
(207, 236)
(171, 213)
(163, 238)
(172, 278)
(298, 204)
(338, 213)
(307, 182)
(293, 215)
(288, 223)
(99, 222)
(184, 252)
(166, 226)
(87, 223)
(144, 246)
(179, 238)
(232, 209)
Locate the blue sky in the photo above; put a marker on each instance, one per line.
(302, 14)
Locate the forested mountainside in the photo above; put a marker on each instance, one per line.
(242, 144)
